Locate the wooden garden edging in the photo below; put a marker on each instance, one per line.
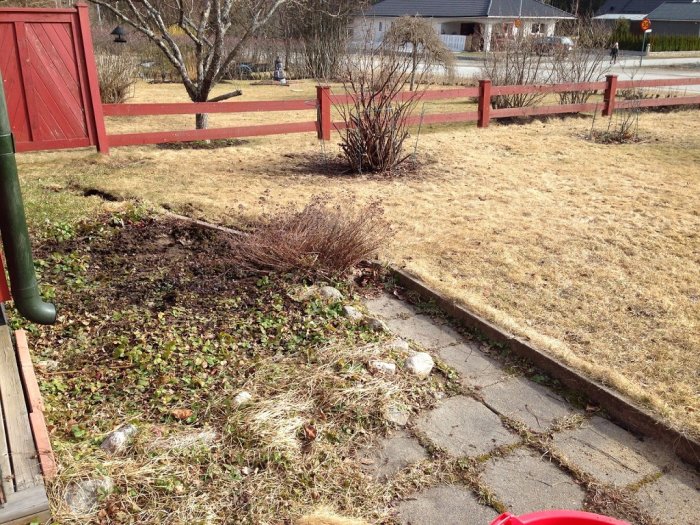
(323, 104)
(628, 414)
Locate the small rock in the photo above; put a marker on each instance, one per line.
(383, 367)
(246, 471)
(242, 398)
(352, 313)
(420, 364)
(330, 293)
(83, 497)
(398, 344)
(47, 365)
(117, 440)
(397, 415)
(376, 325)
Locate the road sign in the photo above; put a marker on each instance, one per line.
(645, 24)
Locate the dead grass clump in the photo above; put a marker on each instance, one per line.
(320, 240)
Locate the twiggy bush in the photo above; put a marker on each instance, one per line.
(376, 114)
(516, 63)
(116, 74)
(589, 61)
(319, 241)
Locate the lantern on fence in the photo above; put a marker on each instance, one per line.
(119, 34)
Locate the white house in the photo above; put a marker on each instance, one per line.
(464, 24)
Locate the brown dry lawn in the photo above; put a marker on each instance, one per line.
(590, 251)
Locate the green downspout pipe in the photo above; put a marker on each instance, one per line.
(13, 226)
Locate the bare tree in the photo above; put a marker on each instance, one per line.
(587, 62)
(426, 46)
(216, 29)
(322, 28)
(517, 63)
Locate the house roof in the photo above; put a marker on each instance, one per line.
(466, 9)
(681, 11)
(641, 7)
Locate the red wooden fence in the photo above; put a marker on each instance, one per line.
(50, 78)
(4, 289)
(325, 100)
(51, 84)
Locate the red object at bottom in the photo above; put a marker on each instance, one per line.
(556, 517)
(4, 290)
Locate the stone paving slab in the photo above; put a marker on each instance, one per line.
(424, 331)
(605, 451)
(521, 399)
(674, 498)
(525, 482)
(394, 454)
(388, 307)
(444, 505)
(464, 427)
(475, 369)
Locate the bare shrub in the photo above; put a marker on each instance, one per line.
(319, 241)
(426, 47)
(376, 114)
(587, 62)
(623, 127)
(116, 74)
(516, 63)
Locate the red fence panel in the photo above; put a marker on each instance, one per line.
(4, 289)
(50, 78)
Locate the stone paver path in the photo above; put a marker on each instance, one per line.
(518, 476)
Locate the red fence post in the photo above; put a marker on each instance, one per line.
(323, 115)
(609, 96)
(93, 85)
(484, 103)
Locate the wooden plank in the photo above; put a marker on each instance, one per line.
(657, 102)
(20, 443)
(543, 110)
(439, 118)
(52, 144)
(661, 82)
(86, 60)
(547, 88)
(191, 108)
(8, 485)
(159, 137)
(23, 507)
(36, 408)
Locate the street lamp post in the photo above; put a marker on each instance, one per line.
(644, 42)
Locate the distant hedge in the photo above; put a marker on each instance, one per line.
(660, 42)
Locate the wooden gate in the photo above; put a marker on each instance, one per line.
(50, 78)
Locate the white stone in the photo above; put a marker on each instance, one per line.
(420, 364)
(352, 313)
(83, 497)
(330, 293)
(117, 440)
(397, 415)
(399, 344)
(383, 367)
(376, 325)
(242, 398)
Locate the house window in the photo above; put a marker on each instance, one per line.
(538, 28)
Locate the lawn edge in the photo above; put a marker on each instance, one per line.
(621, 409)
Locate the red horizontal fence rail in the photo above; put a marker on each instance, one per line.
(325, 100)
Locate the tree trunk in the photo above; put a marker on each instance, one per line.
(201, 120)
(415, 65)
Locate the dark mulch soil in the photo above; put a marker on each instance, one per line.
(202, 144)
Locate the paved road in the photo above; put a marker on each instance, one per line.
(627, 68)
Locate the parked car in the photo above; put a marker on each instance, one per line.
(550, 45)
